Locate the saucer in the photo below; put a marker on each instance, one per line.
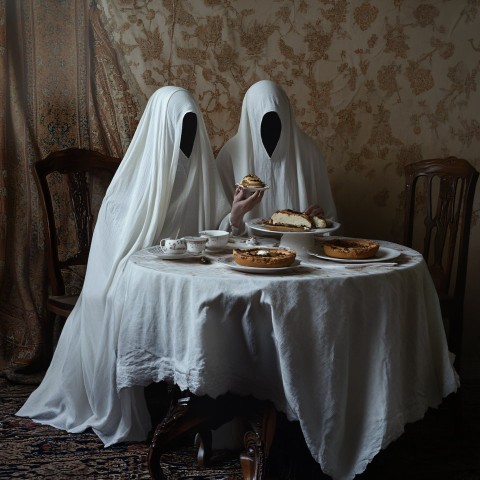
(216, 249)
(177, 256)
(158, 251)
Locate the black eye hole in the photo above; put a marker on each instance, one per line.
(270, 130)
(189, 131)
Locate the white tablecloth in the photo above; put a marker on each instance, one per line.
(353, 354)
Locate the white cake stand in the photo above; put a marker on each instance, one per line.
(301, 242)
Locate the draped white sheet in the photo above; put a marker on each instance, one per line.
(146, 201)
(296, 172)
(352, 354)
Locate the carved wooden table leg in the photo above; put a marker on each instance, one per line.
(164, 434)
(258, 442)
(188, 414)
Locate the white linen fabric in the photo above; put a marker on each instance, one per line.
(353, 354)
(139, 209)
(296, 171)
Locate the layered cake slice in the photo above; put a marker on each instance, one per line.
(289, 220)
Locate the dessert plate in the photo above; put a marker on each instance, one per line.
(257, 224)
(253, 189)
(382, 255)
(229, 262)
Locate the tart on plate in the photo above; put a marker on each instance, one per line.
(263, 257)
(350, 248)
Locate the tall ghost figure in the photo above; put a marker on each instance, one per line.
(270, 144)
(167, 183)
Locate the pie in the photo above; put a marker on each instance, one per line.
(350, 248)
(264, 257)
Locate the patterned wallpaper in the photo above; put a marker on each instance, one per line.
(377, 83)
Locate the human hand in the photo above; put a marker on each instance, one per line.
(315, 211)
(243, 203)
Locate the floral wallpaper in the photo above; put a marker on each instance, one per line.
(377, 83)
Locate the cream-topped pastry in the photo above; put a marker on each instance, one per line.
(251, 180)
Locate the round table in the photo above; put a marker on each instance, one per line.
(351, 351)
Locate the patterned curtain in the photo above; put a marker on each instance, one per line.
(61, 88)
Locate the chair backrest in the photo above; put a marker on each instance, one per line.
(443, 202)
(65, 179)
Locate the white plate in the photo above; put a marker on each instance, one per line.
(382, 255)
(229, 262)
(253, 189)
(257, 225)
(158, 252)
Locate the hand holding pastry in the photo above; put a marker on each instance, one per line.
(243, 202)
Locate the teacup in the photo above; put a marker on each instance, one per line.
(217, 239)
(196, 245)
(173, 245)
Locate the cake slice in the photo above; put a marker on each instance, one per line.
(319, 222)
(289, 220)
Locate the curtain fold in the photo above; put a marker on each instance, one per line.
(61, 87)
(23, 275)
(115, 109)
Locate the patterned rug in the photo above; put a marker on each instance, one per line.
(29, 450)
(445, 445)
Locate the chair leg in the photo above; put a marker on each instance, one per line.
(455, 334)
(203, 440)
(49, 333)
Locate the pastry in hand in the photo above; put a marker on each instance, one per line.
(251, 180)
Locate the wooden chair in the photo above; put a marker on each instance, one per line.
(438, 211)
(74, 170)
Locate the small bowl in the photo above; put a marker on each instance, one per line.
(217, 239)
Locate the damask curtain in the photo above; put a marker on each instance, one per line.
(377, 84)
(61, 87)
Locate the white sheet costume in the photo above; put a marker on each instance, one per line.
(156, 192)
(296, 171)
